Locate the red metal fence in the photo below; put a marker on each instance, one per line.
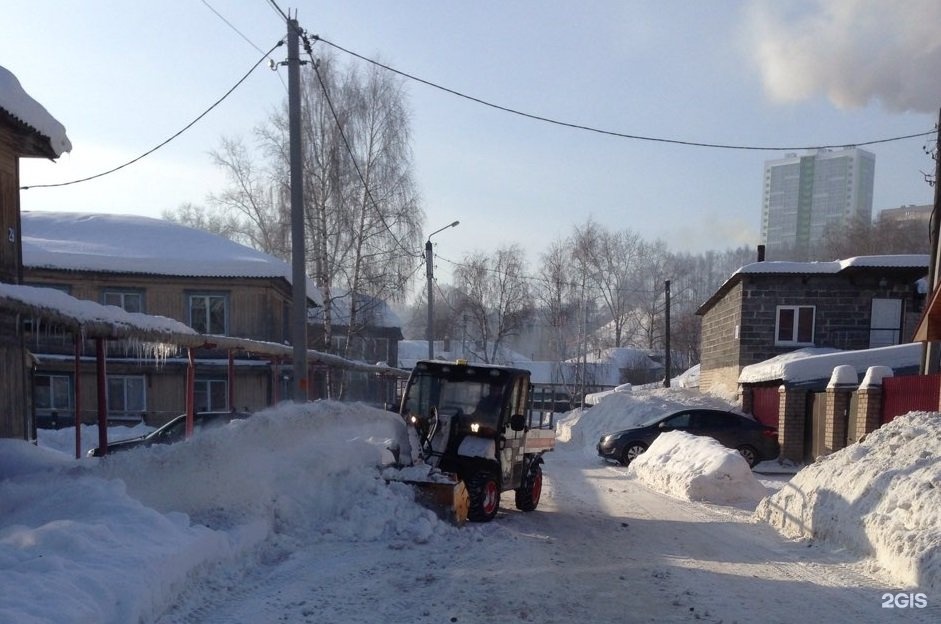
(765, 402)
(901, 395)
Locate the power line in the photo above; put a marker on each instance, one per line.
(242, 35)
(277, 9)
(175, 135)
(622, 135)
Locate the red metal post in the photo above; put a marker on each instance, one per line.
(231, 383)
(101, 374)
(275, 381)
(190, 392)
(77, 396)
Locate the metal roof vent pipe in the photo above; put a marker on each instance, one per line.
(761, 253)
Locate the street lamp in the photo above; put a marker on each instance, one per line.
(429, 272)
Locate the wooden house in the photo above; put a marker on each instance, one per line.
(156, 267)
(27, 130)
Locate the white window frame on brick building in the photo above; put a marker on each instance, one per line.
(793, 331)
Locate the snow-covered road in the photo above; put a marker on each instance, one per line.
(601, 548)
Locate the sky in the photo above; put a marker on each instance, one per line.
(741, 73)
(290, 521)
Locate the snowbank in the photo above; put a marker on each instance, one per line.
(117, 539)
(697, 468)
(880, 497)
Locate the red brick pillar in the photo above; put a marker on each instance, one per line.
(868, 416)
(842, 384)
(792, 416)
(747, 399)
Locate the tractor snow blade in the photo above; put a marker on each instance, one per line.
(443, 493)
(449, 500)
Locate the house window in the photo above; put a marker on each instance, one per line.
(209, 313)
(127, 300)
(211, 395)
(795, 325)
(127, 397)
(52, 393)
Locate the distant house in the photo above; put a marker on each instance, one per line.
(27, 130)
(157, 267)
(372, 337)
(767, 309)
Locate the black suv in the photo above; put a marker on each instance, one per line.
(755, 441)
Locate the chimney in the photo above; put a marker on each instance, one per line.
(761, 253)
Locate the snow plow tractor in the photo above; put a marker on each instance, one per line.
(473, 435)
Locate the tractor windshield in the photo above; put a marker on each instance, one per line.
(475, 403)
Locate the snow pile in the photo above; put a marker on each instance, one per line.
(117, 539)
(63, 440)
(697, 468)
(880, 497)
(594, 398)
(620, 410)
(69, 541)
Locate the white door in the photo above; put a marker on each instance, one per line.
(886, 322)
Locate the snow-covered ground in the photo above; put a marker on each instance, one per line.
(283, 517)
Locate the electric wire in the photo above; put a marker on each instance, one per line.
(174, 136)
(274, 5)
(243, 36)
(349, 148)
(622, 135)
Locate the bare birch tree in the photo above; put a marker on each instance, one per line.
(497, 298)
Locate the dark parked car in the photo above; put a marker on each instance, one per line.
(173, 431)
(755, 441)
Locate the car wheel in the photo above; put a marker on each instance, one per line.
(484, 493)
(750, 455)
(631, 451)
(527, 496)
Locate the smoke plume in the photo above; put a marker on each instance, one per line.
(852, 51)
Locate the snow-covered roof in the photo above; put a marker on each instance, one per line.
(815, 364)
(78, 313)
(18, 104)
(135, 244)
(897, 262)
(919, 261)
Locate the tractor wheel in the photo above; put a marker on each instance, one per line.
(527, 496)
(484, 492)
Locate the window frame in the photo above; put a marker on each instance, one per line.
(127, 414)
(795, 329)
(207, 393)
(207, 297)
(53, 406)
(123, 293)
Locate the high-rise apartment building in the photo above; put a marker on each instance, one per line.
(804, 195)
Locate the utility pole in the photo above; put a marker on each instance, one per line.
(298, 261)
(666, 336)
(430, 275)
(931, 358)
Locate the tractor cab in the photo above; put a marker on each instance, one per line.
(474, 421)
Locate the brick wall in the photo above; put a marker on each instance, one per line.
(720, 344)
